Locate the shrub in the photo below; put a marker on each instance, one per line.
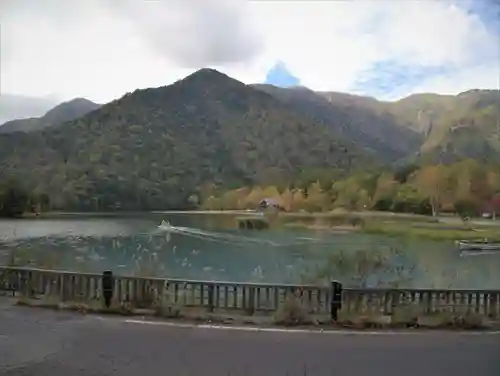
(292, 312)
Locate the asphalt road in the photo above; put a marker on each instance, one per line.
(36, 342)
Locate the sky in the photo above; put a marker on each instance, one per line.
(102, 49)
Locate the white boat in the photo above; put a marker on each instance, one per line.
(165, 225)
(477, 245)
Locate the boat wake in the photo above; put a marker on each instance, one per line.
(228, 238)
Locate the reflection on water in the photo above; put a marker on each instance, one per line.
(211, 251)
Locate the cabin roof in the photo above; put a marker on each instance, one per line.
(270, 201)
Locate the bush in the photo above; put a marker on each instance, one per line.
(383, 204)
(466, 208)
(412, 206)
(356, 221)
(292, 313)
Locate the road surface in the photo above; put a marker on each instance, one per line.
(36, 342)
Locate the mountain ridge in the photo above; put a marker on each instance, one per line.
(14, 106)
(61, 113)
(154, 148)
(160, 147)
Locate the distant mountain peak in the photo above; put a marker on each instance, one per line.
(72, 108)
(61, 113)
(208, 80)
(79, 100)
(206, 73)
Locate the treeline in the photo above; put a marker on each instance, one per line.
(468, 188)
(15, 200)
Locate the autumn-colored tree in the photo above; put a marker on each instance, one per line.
(346, 193)
(493, 182)
(287, 199)
(317, 200)
(212, 203)
(409, 199)
(205, 191)
(363, 201)
(298, 202)
(495, 205)
(272, 192)
(254, 198)
(466, 187)
(234, 199)
(430, 180)
(385, 187)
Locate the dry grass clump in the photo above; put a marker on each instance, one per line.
(292, 312)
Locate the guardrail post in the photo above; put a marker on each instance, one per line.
(336, 300)
(211, 297)
(107, 287)
(251, 301)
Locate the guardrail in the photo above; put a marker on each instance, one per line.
(251, 298)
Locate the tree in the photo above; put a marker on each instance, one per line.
(212, 203)
(402, 174)
(346, 193)
(234, 199)
(385, 187)
(467, 207)
(495, 205)
(287, 197)
(14, 200)
(298, 202)
(254, 198)
(408, 199)
(430, 180)
(273, 192)
(383, 204)
(193, 200)
(317, 200)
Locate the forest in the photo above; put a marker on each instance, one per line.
(16, 201)
(467, 188)
(210, 141)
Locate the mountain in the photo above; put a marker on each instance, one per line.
(419, 128)
(154, 148)
(359, 119)
(466, 125)
(20, 107)
(61, 113)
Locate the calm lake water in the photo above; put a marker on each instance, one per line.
(210, 248)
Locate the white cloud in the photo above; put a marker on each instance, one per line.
(102, 49)
(477, 76)
(329, 44)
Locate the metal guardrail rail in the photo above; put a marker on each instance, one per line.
(143, 292)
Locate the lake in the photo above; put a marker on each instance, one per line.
(209, 247)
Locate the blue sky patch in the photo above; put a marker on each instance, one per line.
(390, 79)
(280, 76)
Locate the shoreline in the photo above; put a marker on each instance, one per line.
(443, 228)
(364, 213)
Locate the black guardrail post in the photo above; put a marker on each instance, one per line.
(336, 301)
(107, 287)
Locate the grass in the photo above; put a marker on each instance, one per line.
(373, 222)
(292, 312)
(392, 224)
(433, 232)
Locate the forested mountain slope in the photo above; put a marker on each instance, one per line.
(357, 118)
(61, 113)
(155, 148)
